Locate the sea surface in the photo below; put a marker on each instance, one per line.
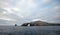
(30, 30)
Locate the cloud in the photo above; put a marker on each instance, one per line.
(8, 19)
(28, 10)
(46, 1)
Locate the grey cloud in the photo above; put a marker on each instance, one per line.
(30, 9)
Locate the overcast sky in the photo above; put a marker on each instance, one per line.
(20, 11)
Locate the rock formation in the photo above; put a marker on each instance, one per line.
(25, 24)
(36, 23)
(40, 23)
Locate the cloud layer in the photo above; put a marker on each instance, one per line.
(28, 10)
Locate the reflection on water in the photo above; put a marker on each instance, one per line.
(33, 30)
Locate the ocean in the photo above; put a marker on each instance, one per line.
(30, 30)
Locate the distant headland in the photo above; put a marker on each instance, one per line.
(40, 23)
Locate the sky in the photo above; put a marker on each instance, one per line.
(21, 11)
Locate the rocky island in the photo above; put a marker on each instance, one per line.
(40, 23)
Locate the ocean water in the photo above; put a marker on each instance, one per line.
(30, 30)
